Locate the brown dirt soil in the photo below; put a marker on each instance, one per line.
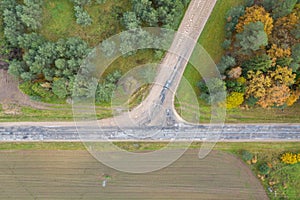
(11, 95)
(77, 175)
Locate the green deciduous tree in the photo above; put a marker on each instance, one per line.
(212, 91)
(59, 88)
(31, 13)
(130, 20)
(232, 18)
(225, 63)
(252, 38)
(82, 17)
(262, 62)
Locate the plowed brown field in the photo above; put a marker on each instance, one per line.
(77, 175)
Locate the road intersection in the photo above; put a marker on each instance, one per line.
(159, 102)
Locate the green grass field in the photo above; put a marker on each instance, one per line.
(59, 20)
(213, 34)
(56, 113)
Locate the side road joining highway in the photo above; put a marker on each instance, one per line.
(192, 25)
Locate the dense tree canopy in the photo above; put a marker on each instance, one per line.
(263, 41)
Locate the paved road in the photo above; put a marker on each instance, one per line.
(243, 132)
(161, 97)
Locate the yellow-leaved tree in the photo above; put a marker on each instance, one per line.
(254, 14)
(234, 100)
(276, 52)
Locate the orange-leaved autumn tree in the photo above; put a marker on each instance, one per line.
(254, 14)
(271, 88)
(275, 96)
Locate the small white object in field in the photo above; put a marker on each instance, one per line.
(104, 183)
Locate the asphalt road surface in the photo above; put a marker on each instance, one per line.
(243, 132)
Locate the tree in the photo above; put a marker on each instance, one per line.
(235, 86)
(296, 31)
(296, 53)
(105, 89)
(235, 73)
(225, 63)
(283, 35)
(130, 20)
(31, 13)
(135, 39)
(271, 89)
(82, 17)
(282, 8)
(11, 22)
(256, 14)
(279, 8)
(275, 96)
(59, 88)
(213, 91)
(252, 38)
(293, 98)
(290, 158)
(257, 84)
(82, 3)
(262, 62)
(31, 41)
(16, 68)
(283, 76)
(249, 3)
(276, 52)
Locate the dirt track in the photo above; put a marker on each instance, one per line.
(76, 175)
(10, 93)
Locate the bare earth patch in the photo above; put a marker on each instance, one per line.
(77, 175)
(10, 94)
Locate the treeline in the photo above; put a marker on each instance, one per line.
(47, 69)
(262, 60)
(162, 13)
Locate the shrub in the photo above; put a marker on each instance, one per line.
(234, 100)
(290, 158)
(251, 101)
(40, 91)
(25, 87)
(246, 155)
(235, 86)
(264, 169)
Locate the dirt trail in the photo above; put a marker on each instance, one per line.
(10, 93)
